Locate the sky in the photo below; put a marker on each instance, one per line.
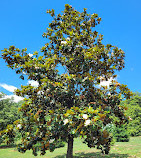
(23, 22)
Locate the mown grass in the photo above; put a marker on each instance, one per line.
(119, 150)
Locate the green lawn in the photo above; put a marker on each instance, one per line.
(119, 150)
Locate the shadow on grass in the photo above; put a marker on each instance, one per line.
(7, 146)
(95, 155)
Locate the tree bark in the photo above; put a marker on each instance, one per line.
(70, 147)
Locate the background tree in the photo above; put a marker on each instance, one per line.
(133, 127)
(71, 104)
(121, 133)
(134, 111)
(8, 112)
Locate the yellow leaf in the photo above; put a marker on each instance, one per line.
(51, 111)
(44, 139)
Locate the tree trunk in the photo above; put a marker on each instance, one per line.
(70, 147)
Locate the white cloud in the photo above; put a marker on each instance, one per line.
(8, 87)
(33, 83)
(15, 98)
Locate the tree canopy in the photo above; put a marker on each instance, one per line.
(73, 103)
(8, 112)
(134, 111)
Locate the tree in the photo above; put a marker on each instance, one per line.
(134, 111)
(8, 112)
(121, 133)
(73, 103)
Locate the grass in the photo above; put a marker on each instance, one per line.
(119, 150)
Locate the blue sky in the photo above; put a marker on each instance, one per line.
(22, 24)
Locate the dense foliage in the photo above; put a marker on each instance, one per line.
(121, 133)
(134, 111)
(8, 112)
(133, 127)
(74, 103)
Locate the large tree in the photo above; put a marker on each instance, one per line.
(133, 106)
(70, 103)
(8, 112)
